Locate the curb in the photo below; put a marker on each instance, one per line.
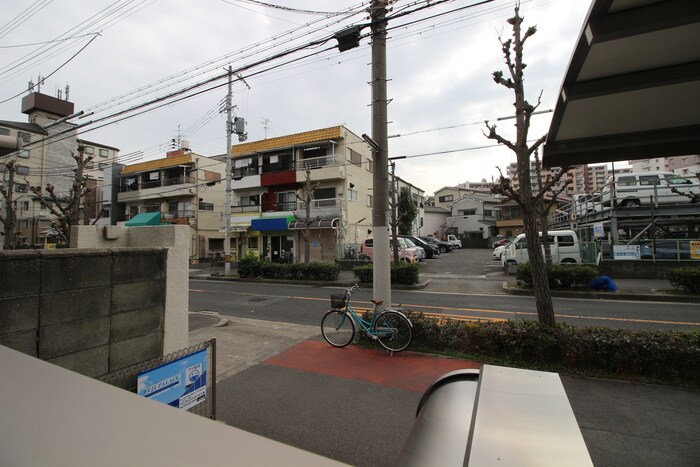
(655, 296)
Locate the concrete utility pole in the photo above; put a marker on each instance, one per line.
(380, 208)
(229, 130)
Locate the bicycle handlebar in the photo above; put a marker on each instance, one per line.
(350, 291)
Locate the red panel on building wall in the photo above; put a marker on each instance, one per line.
(278, 178)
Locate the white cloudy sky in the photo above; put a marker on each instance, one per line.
(440, 71)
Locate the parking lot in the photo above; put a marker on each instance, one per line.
(465, 262)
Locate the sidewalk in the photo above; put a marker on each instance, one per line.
(354, 405)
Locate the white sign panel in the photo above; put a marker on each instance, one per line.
(626, 252)
(598, 230)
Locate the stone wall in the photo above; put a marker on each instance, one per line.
(93, 311)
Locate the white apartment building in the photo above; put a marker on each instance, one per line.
(48, 142)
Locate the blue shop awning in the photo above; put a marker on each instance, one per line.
(264, 224)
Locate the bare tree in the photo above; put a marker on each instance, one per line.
(545, 205)
(66, 209)
(9, 219)
(690, 194)
(513, 53)
(307, 198)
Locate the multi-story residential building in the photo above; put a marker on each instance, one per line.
(269, 210)
(483, 186)
(417, 195)
(185, 188)
(474, 216)
(48, 142)
(512, 173)
(685, 166)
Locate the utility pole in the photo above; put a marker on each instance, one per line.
(229, 131)
(381, 281)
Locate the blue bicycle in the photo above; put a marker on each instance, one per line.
(390, 327)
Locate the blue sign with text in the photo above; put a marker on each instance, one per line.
(181, 383)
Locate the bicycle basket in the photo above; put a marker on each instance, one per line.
(338, 300)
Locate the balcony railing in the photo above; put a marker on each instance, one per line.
(244, 172)
(248, 208)
(317, 162)
(170, 181)
(285, 206)
(181, 213)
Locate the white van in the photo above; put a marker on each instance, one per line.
(639, 188)
(563, 244)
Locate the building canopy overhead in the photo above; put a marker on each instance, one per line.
(632, 85)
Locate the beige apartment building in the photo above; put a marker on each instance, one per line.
(185, 188)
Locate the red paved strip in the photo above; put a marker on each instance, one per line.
(405, 370)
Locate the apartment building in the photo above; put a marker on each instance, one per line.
(268, 215)
(685, 166)
(185, 188)
(49, 141)
(418, 198)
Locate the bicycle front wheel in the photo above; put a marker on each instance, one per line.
(393, 330)
(337, 328)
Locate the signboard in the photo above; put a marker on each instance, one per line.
(695, 250)
(598, 230)
(626, 252)
(181, 383)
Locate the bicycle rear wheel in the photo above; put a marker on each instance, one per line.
(338, 328)
(393, 330)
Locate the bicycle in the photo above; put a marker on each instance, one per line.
(390, 327)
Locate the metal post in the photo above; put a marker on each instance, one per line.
(229, 130)
(380, 230)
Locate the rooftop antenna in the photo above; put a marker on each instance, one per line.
(39, 82)
(266, 125)
(67, 90)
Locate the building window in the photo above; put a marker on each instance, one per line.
(89, 165)
(286, 201)
(23, 153)
(89, 150)
(4, 132)
(469, 212)
(26, 137)
(369, 201)
(252, 243)
(352, 194)
(445, 199)
(369, 164)
(355, 157)
(21, 187)
(24, 206)
(206, 206)
(104, 153)
(22, 170)
(102, 165)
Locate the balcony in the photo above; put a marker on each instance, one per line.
(322, 168)
(321, 208)
(250, 208)
(152, 189)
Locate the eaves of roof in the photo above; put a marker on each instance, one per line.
(288, 141)
(24, 126)
(157, 164)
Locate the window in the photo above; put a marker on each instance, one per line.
(24, 206)
(89, 150)
(565, 240)
(648, 179)
(89, 165)
(355, 157)
(352, 194)
(252, 243)
(369, 201)
(21, 187)
(4, 132)
(469, 212)
(26, 137)
(369, 164)
(488, 213)
(104, 153)
(626, 181)
(286, 201)
(102, 165)
(445, 199)
(23, 153)
(22, 170)
(206, 206)
(324, 193)
(250, 200)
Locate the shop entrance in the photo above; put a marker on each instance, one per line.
(281, 248)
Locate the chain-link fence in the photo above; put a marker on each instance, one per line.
(127, 378)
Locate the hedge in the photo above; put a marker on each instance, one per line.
(252, 266)
(560, 276)
(686, 279)
(668, 357)
(403, 273)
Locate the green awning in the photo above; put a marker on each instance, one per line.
(147, 218)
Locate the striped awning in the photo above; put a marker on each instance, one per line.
(314, 225)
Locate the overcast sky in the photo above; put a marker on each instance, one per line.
(439, 70)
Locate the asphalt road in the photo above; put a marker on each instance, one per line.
(306, 304)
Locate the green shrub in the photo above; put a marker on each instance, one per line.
(687, 279)
(404, 273)
(560, 276)
(662, 356)
(249, 266)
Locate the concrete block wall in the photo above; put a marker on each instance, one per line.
(93, 311)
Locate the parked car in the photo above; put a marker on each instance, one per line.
(637, 188)
(410, 244)
(456, 242)
(431, 250)
(503, 241)
(444, 246)
(666, 249)
(406, 253)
